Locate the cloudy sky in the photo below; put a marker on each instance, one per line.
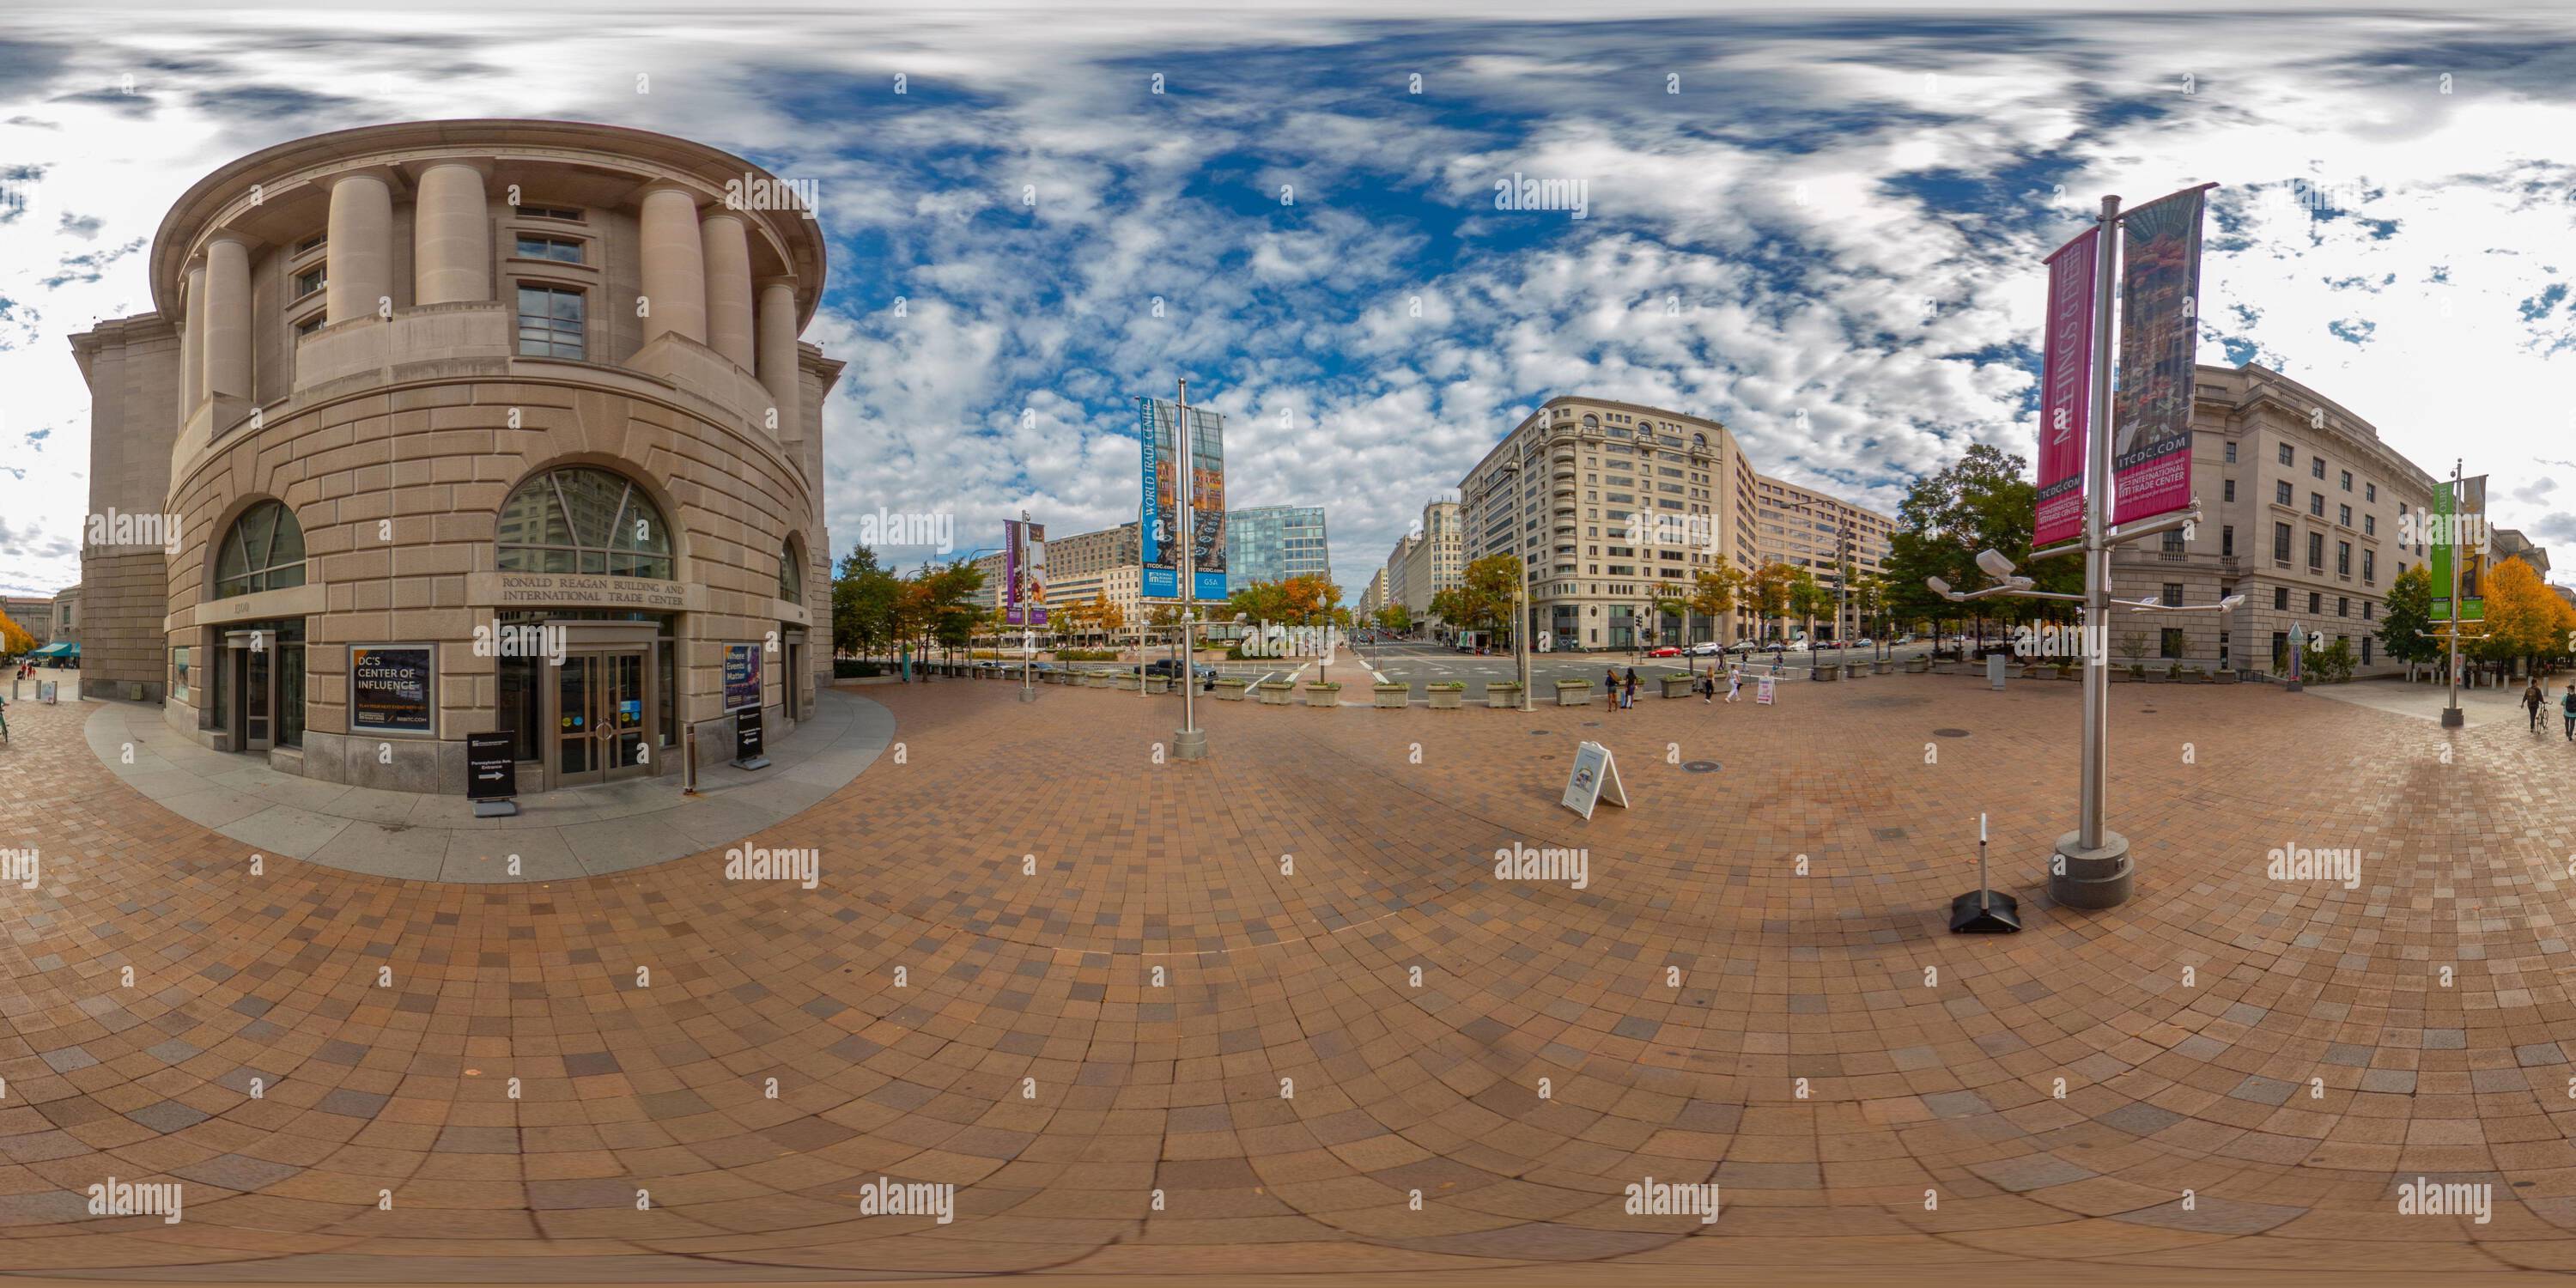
(1821, 226)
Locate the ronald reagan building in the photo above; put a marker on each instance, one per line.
(459, 427)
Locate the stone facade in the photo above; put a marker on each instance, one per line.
(1589, 584)
(2323, 558)
(355, 341)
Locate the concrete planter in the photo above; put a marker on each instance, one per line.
(1276, 693)
(1157, 684)
(1327, 696)
(1505, 696)
(1574, 693)
(1679, 686)
(2034, 671)
(2155, 677)
(2222, 677)
(1393, 697)
(1231, 690)
(1918, 666)
(2070, 673)
(1131, 682)
(1447, 697)
(1883, 668)
(1824, 673)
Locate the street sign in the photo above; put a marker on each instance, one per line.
(491, 773)
(1594, 772)
(747, 740)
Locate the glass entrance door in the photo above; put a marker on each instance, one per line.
(601, 724)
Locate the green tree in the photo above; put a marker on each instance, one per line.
(863, 603)
(2405, 625)
(1807, 597)
(1982, 501)
(1770, 595)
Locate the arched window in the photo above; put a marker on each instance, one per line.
(264, 550)
(583, 520)
(1699, 441)
(791, 572)
(1591, 422)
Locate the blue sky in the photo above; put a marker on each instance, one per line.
(1821, 226)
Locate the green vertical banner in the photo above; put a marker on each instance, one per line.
(2441, 534)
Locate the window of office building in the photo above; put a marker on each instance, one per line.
(264, 550)
(583, 520)
(550, 322)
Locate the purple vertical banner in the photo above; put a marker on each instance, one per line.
(1011, 573)
(2159, 341)
(2065, 385)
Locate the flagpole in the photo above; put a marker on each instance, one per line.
(2091, 868)
(1190, 742)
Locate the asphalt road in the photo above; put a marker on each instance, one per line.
(1422, 664)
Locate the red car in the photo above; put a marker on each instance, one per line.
(1669, 650)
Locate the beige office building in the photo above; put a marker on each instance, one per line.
(34, 614)
(1608, 500)
(1429, 561)
(420, 402)
(1374, 597)
(1804, 528)
(2302, 507)
(1107, 563)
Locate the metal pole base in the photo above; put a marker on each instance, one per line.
(1028, 695)
(2082, 878)
(2454, 718)
(2296, 686)
(1189, 744)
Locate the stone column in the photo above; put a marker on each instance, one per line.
(728, 257)
(227, 318)
(192, 344)
(675, 266)
(451, 235)
(361, 254)
(778, 367)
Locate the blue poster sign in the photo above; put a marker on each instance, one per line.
(741, 676)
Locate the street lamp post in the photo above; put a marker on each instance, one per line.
(2091, 867)
(1190, 743)
(1028, 611)
(1520, 556)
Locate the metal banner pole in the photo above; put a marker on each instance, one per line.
(2091, 868)
(1190, 743)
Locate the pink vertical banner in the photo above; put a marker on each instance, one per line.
(2159, 341)
(2065, 385)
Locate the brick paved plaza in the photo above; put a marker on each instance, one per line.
(1829, 1056)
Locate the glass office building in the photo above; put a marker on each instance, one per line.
(1274, 543)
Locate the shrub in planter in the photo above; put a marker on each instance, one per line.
(1277, 692)
(1447, 696)
(1679, 686)
(1393, 696)
(1503, 695)
(1574, 693)
(1229, 689)
(1323, 695)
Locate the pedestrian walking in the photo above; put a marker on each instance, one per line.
(2531, 703)
(2568, 705)
(1734, 682)
(1708, 688)
(1632, 688)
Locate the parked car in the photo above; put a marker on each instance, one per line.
(1170, 668)
(1668, 650)
(1707, 648)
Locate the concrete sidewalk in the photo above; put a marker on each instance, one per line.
(558, 835)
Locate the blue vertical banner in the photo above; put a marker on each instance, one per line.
(1159, 517)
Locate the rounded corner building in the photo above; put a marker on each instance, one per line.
(463, 427)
